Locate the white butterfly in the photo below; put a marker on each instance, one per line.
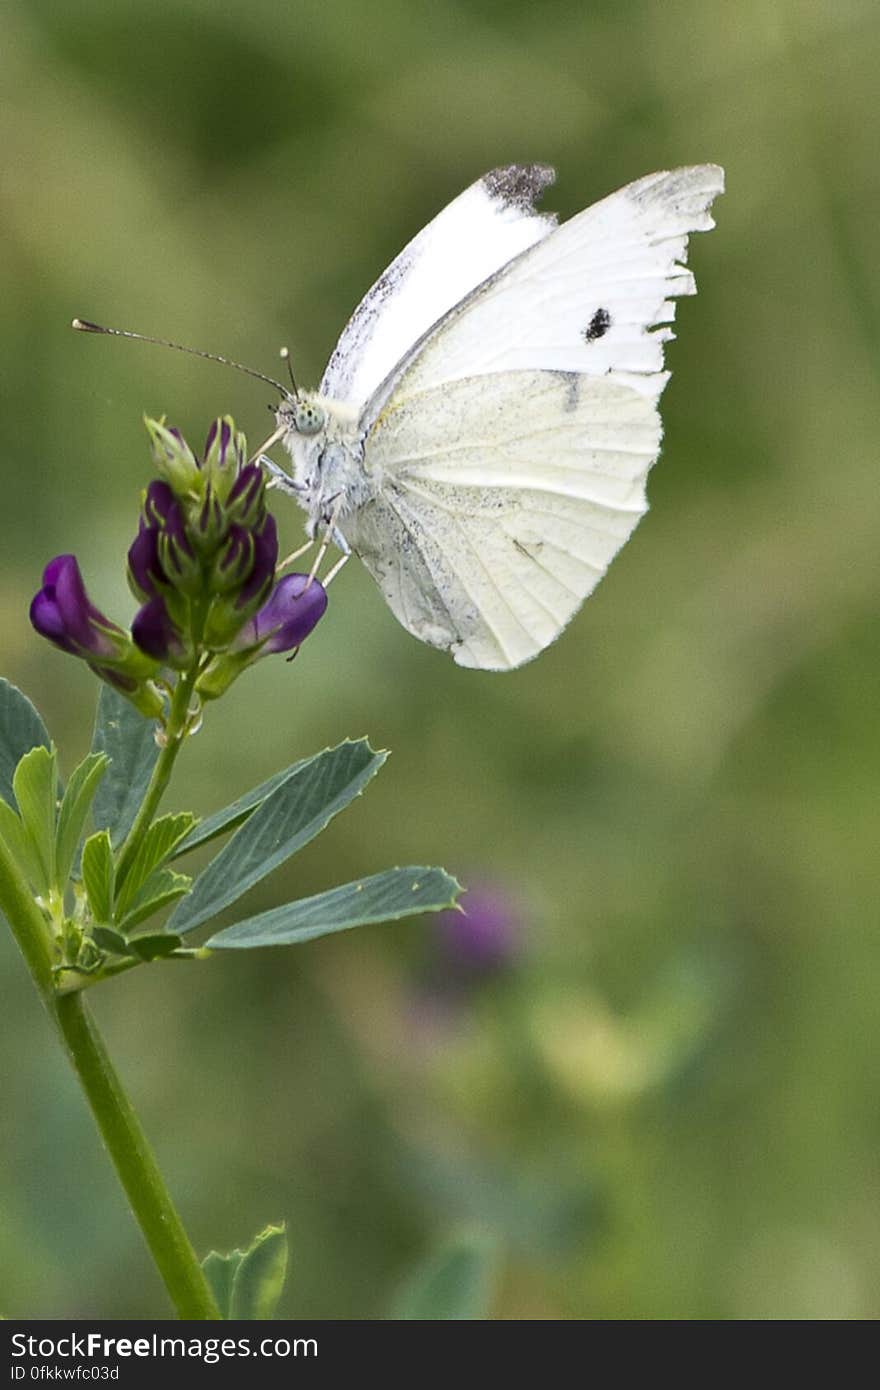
(486, 423)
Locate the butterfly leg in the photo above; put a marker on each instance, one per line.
(267, 444)
(279, 478)
(340, 542)
(340, 563)
(293, 556)
(331, 533)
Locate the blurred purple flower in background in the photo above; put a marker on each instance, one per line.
(483, 937)
(468, 950)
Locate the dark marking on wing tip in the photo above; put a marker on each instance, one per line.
(519, 185)
(598, 326)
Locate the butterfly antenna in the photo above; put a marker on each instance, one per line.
(83, 326)
(285, 358)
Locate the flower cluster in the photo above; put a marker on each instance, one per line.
(203, 568)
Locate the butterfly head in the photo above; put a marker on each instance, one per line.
(322, 437)
(305, 416)
(301, 414)
(308, 418)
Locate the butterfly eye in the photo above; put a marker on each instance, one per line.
(308, 418)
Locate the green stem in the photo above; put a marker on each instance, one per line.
(175, 732)
(120, 1129)
(134, 1161)
(29, 926)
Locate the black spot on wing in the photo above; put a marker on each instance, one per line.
(598, 326)
(519, 185)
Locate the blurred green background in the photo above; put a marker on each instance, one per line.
(668, 1105)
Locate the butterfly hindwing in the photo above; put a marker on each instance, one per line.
(503, 499)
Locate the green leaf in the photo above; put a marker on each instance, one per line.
(454, 1284)
(385, 897)
(247, 1284)
(35, 784)
(236, 812)
(98, 875)
(127, 739)
(259, 1279)
(164, 886)
(292, 815)
(110, 940)
(154, 946)
(21, 729)
(78, 798)
(219, 1270)
(155, 847)
(21, 845)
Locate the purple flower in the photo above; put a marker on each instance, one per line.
(158, 502)
(145, 574)
(235, 561)
(63, 613)
(295, 606)
(208, 528)
(225, 448)
(176, 555)
(484, 935)
(153, 631)
(265, 560)
(246, 501)
(284, 621)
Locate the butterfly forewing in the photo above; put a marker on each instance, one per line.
(595, 295)
(481, 230)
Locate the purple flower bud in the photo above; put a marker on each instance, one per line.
(295, 606)
(265, 560)
(145, 575)
(225, 449)
(484, 935)
(234, 560)
(176, 554)
(158, 502)
(154, 632)
(208, 527)
(246, 501)
(173, 457)
(62, 612)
